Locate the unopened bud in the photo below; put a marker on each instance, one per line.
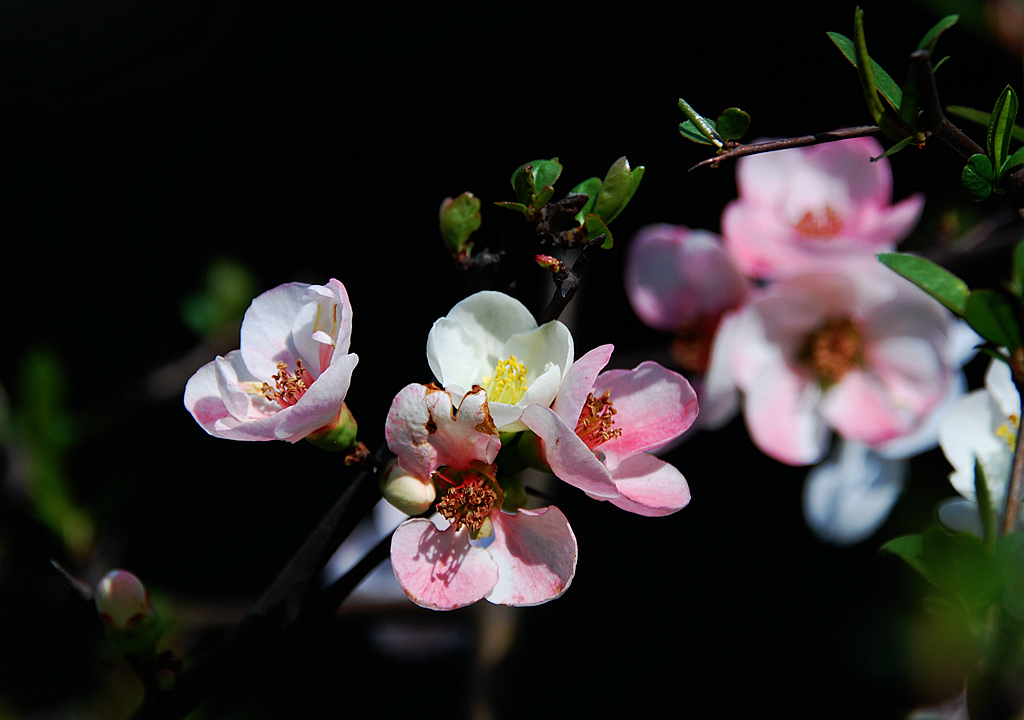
(408, 493)
(125, 609)
(339, 437)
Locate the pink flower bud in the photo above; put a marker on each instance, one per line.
(122, 601)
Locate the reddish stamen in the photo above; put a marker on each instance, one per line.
(832, 350)
(469, 503)
(820, 224)
(288, 388)
(595, 424)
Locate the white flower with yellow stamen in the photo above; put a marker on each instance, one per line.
(980, 426)
(491, 340)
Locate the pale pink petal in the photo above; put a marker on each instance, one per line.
(320, 404)
(569, 458)
(780, 409)
(653, 407)
(536, 555)
(216, 397)
(266, 335)
(579, 382)
(650, 487)
(407, 429)
(717, 395)
(883, 226)
(859, 408)
(675, 275)
(912, 371)
(440, 570)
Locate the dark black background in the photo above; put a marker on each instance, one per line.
(310, 141)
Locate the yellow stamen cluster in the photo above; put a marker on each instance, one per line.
(468, 504)
(288, 388)
(821, 224)
(595, 424)
(832, 350)
(508, 382)
(1008, 431)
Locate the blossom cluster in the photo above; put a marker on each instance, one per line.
(789, 317)
(508, 395)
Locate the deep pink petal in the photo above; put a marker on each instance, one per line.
(569, 458)
(536, 555)
(650, 487)
(320, 404)
(578, 383)
(440, 570)
(653, 407)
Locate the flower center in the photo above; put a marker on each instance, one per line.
(821, 224)
(508, 382)
(469, 501)
(595, 424)
(288, 388)
(832, 350)
(1008, 431)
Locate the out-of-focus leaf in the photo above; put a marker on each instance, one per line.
(732, 124)
(460, 218)
(1010, 560)
(911, 550)
(981, 118)
(934, 279)
(932, 36)
(977, 177)
(1017, 277)
(960, 564)
(991, 316)
(985, 506)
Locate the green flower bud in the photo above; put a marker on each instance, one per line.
(405, 491)
(340, 437)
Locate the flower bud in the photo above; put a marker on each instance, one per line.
(124, 607)
(339, 437)
(407, 492)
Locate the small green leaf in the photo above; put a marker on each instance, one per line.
(991, 316)
(518, 207)
(704, 126)
(910, 549)
(460, 218)
(589, 187)
(1013, 161)
(934, 279)
(932, 36)
(524, 183)
(1010, 560)
(732, 124)
(886, 85)
(895, 148)
(594, 226)
(546, 172)
(1000, 127)
(692, 133)
(613, 190)
(977, 176)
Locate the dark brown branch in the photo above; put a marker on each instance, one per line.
(566, 287)
(932, 119)
(802, 141)
(291, 598)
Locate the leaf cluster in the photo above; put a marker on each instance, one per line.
(985, 172)
(731, 125)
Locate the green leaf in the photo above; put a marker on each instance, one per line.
(460, 218)
(934, 279)
(991, 316)
(1009, 554)
(977, 177)
(613, 190)
(981, 118)
(594, 226)
(895, 148)
(932, 36)
(692, 133)
(518, 207)
(732, 124)
(1016, 159)
(546, 172)
(1000, 127)
(961, 564)
(884, 82)
(985, 506)
(524, 183)
(1017, 277)
(703, 126)
(589, 187)
(911, 550)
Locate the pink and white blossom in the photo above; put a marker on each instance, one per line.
(598, 433)
(290, 376)
(490, 339)
(863, 353)
(811, 208)
(471, 549)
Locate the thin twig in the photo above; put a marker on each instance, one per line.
(802, 141)
(932, 119)
(567, 287)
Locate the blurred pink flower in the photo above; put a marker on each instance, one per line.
(811, 208)
(682, 281)
(864, 353)
(475, 550)
(597, 433)
(291, 374)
